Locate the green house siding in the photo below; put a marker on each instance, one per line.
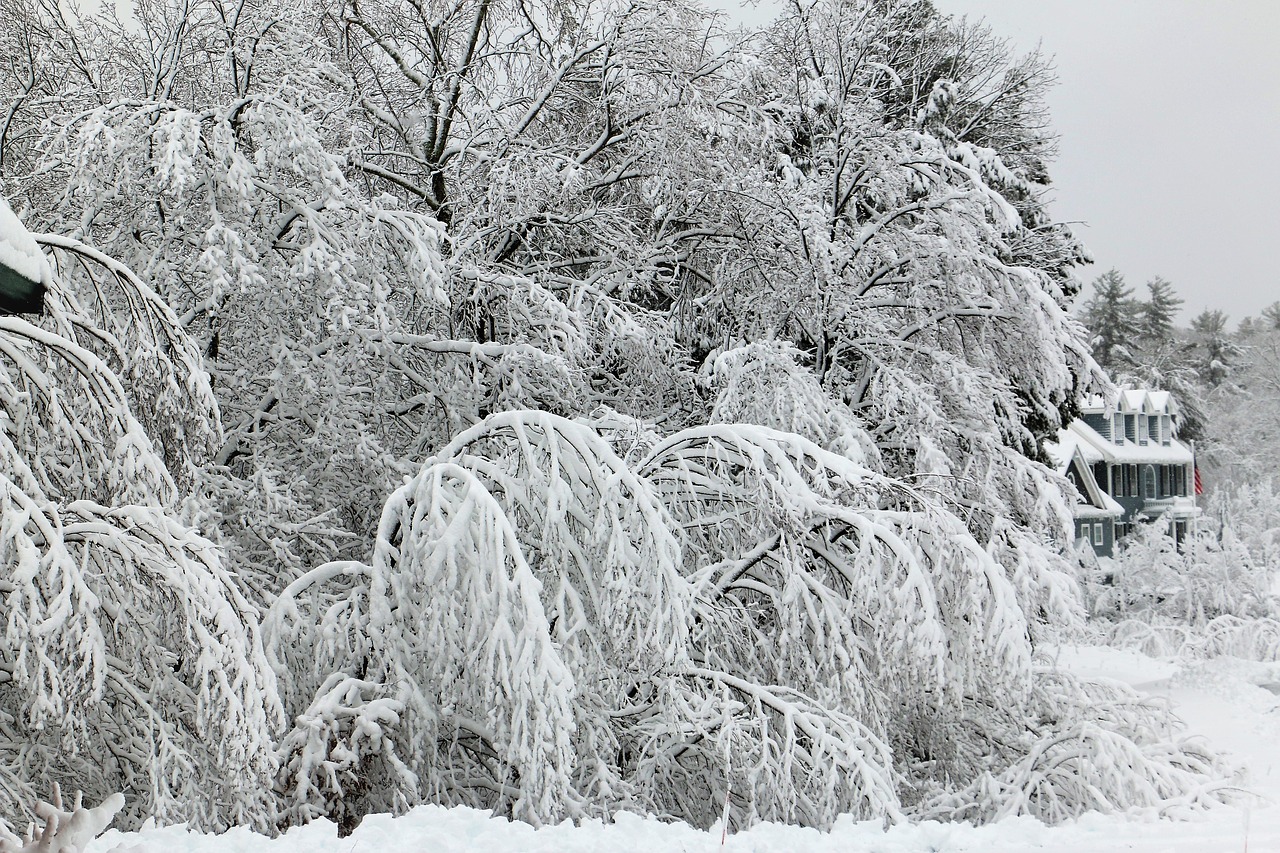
(1133, 485)
(1101, 423)
(1088, 530)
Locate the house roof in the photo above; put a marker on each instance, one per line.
(1070, 449)
(1096, 448)
(24, 271)
(1132, 401)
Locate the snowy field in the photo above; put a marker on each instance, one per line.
(1232, 703)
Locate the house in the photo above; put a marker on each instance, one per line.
(1125, 460)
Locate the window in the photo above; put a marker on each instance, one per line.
(1117, 428)
(1097, 533)
(1131, 427)
(1130, 481)
(1148, 481)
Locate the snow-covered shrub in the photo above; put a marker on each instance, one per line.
(547, 574)
(1226, 635)
(1251, 512)
(1092, 745)
(131, 660)
(1207, 577)
(551, 631)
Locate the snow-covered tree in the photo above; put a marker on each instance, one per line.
(1271, 315)
(1111, 315)
(1157, 313)
(613, 414)
(131, 658)
(1214, 350)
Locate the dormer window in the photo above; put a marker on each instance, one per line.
(1131, 427)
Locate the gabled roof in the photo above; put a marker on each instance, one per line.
(1132, 401)
(1128, 452)
(1068, 451)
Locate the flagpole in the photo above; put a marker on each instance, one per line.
(1195, 493)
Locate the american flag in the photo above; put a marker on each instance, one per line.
(1199, 485)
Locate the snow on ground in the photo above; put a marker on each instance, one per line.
(1232, 703)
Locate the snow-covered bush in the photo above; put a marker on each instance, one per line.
(1112, 752)
(131, 659)
(548, 630)
(1251, 639)
(1209, 576)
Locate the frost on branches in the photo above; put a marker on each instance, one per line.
(602, 410)
(131, 659)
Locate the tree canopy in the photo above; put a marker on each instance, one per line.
(549, 407)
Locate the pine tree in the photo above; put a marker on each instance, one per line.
(1271, 315)
(1158, 312)
(1213, 347)
(1112, 316)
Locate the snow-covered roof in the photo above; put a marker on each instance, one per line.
(1061, 451)
(18, 249)
(1070, 447)
(1132, 401)
(1094, 403)
(24, 272)
(1096, 448)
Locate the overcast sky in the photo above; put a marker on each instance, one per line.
(1169, 116)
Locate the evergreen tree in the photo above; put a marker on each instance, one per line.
(1112, 317)
(1157, 313)
(1214, 349)
(1271, 315)
(1159, 358)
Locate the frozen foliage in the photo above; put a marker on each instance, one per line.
(131, 659)
(1077, 752)
(1223, 636)
(1208, 577)
(603, 412)
(739, 612)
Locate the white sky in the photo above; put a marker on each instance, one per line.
(1169, 116)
